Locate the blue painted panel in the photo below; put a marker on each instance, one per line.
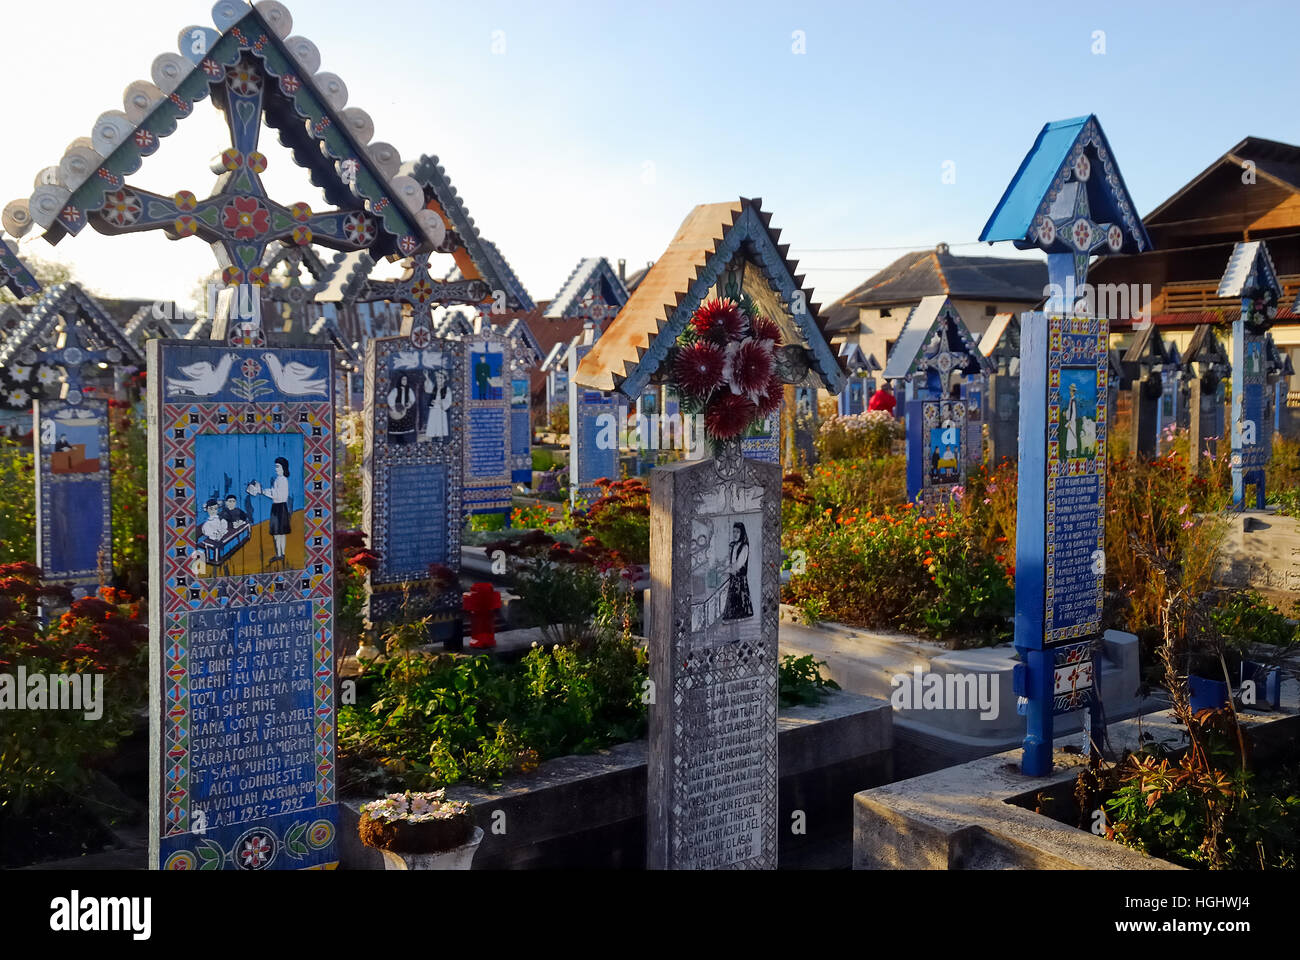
(417, 526)
(487, 445)
(73, 486)
(219, 374)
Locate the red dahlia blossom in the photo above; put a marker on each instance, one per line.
(729, 415)
(698, 368)
(749, 367)
(765, 329)
(719, 320)
(769, 401)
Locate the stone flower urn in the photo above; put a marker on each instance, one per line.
(420, 831)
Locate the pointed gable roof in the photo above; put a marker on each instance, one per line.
(143, 326)
(476, 258)
(1001, 335)
(306, 107)
(1147, 348)
(934, 326)
(855, 361)
(1250, 273)
(14, 274)
(1066, 156)
(92, 337)
(592, 277)
(711, 237)
(1205, 347)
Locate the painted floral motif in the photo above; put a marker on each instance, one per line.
(255, 852)
(212, 69)
(231, 159)
(185, 200)
(243, 81)
(185, 226)
(302, 236)
(17, 398)
(1082, 167)
(257, 162)
(421, 291)
(246, 218)
(1082, 231)
(290, 84)
(1046, 231)
(408, 244)
(1114, 238)
(359, 229)
(300, 212)
(144, 139)
(232, 275)
(46, 376)
(259, 276)
(121, 208)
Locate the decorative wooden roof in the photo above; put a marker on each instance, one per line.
(14, 274)
(1068, 197)
(476, 258)
(254, 70)
(1148, 348)
(855, 361)
(934, 328)
(592, 291)
(1250, 273)
(715, 239)
(1002, 337)
(144, 325)
(66, 329)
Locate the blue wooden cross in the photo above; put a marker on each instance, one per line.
(1250, 275)
(1069, 200)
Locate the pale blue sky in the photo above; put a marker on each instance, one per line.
(600, 125)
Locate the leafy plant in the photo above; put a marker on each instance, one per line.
(620, 519)
(867, 435)
(801, 682)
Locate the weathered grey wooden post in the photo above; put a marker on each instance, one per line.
(1209, 368)
(715, 526)
(1001, 344)
(1145, 360)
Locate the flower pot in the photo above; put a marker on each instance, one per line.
(1268, 683)
(457, 858)
(1207, 694)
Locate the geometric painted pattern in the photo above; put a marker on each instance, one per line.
(179, 423)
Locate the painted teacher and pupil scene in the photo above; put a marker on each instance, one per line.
(249, 516)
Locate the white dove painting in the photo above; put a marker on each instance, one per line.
(202, 379)
(295, 379)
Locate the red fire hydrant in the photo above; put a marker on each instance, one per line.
(481, 604)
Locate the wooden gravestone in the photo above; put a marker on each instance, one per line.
(1209, 369)
(524, 356)
(1069, 200)
(486, 364)
(64, 344)
(412, 489)
(936, 355)
(1001, 344)
(715, 527)
(1146, 359)
(241, 515)
(716, 530)
(593, 428)
(1251, 277)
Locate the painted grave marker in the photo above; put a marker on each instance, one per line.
(1250, 276)
(487, 360)
(241, 515)
(936, 357)
(1209, 373)
(1001, 344)
(715, 528)
(74, 542)
(1069, 200)
(593, 428)
(412, 486)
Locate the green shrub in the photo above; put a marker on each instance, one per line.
(801, 682)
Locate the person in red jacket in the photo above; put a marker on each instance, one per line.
(883, 399)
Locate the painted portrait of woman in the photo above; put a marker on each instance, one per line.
(739, 606)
